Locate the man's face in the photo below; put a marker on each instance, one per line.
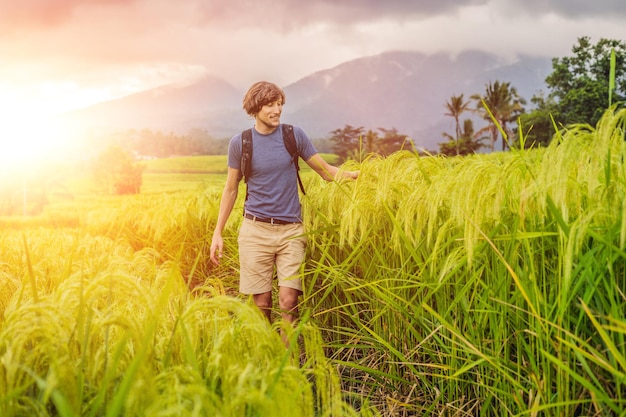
(269, 115)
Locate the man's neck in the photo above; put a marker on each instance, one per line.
(264, 128)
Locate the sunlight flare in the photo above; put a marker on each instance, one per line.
(27, 141)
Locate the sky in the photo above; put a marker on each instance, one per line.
(60, 55)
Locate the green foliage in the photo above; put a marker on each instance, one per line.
(466, 143)
(499, 106)
(100, 321)
(456, 107)
(354, 143)
(129, 179)
(347, 140)
(115, 173)
(392, 141)
(538, 124)
(149, 143)
(485, 285)
(579, 84)
(581, 87)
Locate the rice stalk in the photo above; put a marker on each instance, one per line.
(500, 248)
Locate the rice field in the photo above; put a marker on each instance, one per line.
(487, 285)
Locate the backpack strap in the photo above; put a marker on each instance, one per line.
(246, 153)
(290, 144)
(289, 141)
(246, 157)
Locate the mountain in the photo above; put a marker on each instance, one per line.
(208, 103)
(405, 90)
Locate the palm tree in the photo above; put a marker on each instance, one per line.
(468, 143)
(456, 107)
(371, 142)
(505, 105)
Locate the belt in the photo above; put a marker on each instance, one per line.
(264, 220)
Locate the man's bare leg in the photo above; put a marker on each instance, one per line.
(288, 303)
(264, 303)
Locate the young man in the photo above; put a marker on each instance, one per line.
(271, 234)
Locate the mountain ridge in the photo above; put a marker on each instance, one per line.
(395, 89)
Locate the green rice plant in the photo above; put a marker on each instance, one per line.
(115, 331)
(468, 277)
(178, 226)
(484, 285)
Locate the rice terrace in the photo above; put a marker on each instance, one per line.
(452, 284)
(489, 284)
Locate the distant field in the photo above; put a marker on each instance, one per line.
(170, 182)
(190, 172)
(204, 164)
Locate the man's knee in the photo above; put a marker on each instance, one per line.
(288, 299)
(263, 301)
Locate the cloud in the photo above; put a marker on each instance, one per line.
(290, 14)
(279, 14)
(126, 45)
(287, 15)
(578, 9)
(585, 8)
(28, 14)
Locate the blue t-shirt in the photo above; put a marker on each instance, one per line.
(273, 185)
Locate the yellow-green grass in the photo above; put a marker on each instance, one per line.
(206, 164)
(175, 182)
(92, 325)
(109, 306)
(189, 173)
(485, 285)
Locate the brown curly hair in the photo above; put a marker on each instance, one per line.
(260, 94)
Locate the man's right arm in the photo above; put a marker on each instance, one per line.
(229, 196)
(329, 172)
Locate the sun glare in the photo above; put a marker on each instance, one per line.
(31, 133)
(29, 142)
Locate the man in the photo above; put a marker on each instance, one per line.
(271, 234)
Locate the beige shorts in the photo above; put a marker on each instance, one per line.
(265, 248)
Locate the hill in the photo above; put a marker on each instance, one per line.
(405, 90)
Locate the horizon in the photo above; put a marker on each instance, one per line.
(60, 56)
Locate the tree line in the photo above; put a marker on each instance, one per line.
(148, 143)
(581, 87)
(578, 88)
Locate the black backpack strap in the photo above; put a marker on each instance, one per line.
(246, 157)
(290, 143)
(246, 153)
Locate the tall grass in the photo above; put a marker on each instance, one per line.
(485, 285)
(99, 320)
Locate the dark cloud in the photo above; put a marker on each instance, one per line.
(291, 13)
(571, 8)
(56, 37)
